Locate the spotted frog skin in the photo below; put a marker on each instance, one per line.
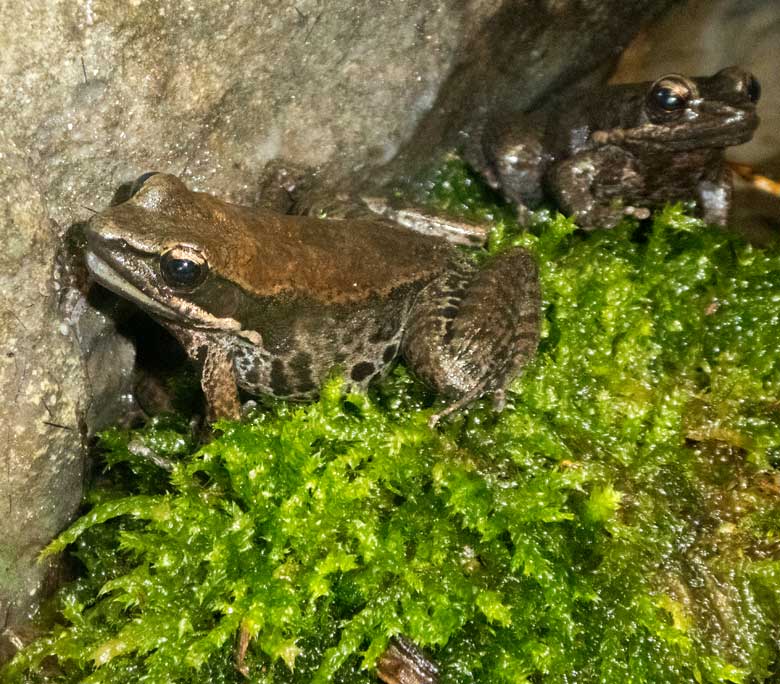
(624, 149)
(270, 303)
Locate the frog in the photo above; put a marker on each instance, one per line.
(623, 149)
(270, 303)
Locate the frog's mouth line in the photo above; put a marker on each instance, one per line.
(109, 277)
(685, 136)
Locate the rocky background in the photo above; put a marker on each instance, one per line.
(96, 92)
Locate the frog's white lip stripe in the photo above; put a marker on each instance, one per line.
(110, 278)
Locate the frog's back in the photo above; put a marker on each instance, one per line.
(267, 254)
(333, 260)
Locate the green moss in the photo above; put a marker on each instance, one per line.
(618, 522)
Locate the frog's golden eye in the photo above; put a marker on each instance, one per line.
(183, 267)
(670, 94)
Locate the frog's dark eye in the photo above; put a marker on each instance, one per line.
(138, 183)
(753, 89)
(183, 267)
(670, 94)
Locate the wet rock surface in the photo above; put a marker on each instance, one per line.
(41, 463)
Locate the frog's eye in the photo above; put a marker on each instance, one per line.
(670, 94)
(753, 88)
(138, 183)
(183, 268)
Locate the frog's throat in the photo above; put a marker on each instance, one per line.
(184, 310)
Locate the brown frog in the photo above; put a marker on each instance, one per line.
(270, 303)
(623, 149)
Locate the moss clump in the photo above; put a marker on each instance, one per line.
(618, 522)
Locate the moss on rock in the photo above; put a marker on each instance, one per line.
(617, 522)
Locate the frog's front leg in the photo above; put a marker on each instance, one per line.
(218, 381)
(277, 186)
(509, 154)
(714, 196)
(218, 378)
(612, 171)
(472, 329)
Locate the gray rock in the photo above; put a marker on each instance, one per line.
(41, 461)
(96, 93)
(101, 92)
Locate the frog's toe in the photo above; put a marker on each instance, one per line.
(404, 663)
(455, 406)
(599, 217)
(280, 185)
(640, 213)
(524, 215)
(499, 400)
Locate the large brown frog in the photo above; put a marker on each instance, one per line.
(623, 149)
(270, 303)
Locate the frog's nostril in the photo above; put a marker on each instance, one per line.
(753, 88)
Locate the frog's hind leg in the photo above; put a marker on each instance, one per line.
(472, 330)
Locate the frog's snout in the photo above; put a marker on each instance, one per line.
(101, 233)
(736, 86)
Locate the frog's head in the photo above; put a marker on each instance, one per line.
(170, 251)
(682, 113)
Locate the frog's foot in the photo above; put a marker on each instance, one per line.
(524, 216)
(219, 385)
(281, 184)
(607, 216)
(404, 663)
(714, 197)
(239, 653)
(138, 448)
(455, 406)
(507, 150)
(499, 404)
(455, 230)
(640, 213)
(334, 205)
(589, 185)
(473, 329)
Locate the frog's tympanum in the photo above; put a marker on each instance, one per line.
(623, 149)
(270, 303)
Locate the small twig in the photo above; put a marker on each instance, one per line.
(746, 172)
(240, 652)
(58, 425)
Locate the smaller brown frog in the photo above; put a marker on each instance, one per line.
(623, 149)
